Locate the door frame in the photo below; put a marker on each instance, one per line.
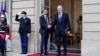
(42, 5)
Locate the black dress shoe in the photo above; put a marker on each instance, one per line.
(64, 54)
(58, 54)
(23, 53)
(46, 53)
(42, 54)
(2, 54)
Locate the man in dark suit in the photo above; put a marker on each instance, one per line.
(62, 28)
(24, 30)
(44, 31)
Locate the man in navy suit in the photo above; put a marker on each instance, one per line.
(62, 28)
(44, 31)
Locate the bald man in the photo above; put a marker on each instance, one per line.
(62, 28)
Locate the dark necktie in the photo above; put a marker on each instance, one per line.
(47, 20)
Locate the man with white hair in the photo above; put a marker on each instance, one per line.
(62, 28)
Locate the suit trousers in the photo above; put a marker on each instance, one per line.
(24, 43)
(44, 42)
(61, 37)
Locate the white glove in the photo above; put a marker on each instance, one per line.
(18, 13)
(28, 34)
(7, 36)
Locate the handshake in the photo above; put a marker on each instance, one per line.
(49, 26)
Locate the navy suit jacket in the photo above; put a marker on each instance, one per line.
(62, 26)
(43, 25)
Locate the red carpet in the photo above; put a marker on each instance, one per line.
(51, 54)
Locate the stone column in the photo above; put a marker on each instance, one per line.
(91, 28)
(37, 35)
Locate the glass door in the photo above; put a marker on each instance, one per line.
(71, 7)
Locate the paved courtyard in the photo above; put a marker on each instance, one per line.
(14, 54)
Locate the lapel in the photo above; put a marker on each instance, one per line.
(44, 18)
(57, 17)
(62, 17)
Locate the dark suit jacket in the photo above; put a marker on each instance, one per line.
(62, 26)
(43, 25)
(25, 25)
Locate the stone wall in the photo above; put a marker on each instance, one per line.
(31, 7)
(91, 28)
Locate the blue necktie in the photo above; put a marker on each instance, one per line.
(59, 16)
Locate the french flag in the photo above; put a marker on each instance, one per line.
(3, 7)
(0, 9)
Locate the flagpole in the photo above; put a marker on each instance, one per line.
(8, 15)
(9, 11)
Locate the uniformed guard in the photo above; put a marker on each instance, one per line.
(24, 30)
(4, 33)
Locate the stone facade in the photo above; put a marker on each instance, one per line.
(31, 7)
(90, 32)
(91, 28)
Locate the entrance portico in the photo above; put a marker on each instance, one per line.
(90, 25)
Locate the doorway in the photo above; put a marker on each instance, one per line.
(74, 10)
